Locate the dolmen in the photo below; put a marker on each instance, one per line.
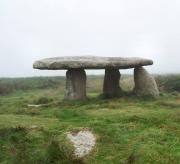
(145, 84)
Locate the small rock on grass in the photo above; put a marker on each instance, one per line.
(83, 142)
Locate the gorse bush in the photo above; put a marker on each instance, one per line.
(169, 82)
(17, 144)
(43, 100)
(58, 153)
(8, 85)
(94, 83)
(5, 89)
(18, 149)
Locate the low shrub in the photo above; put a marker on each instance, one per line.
(43, 100)
(5, 89)
(169, 82)
(58, 152)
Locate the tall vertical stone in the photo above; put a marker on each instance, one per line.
(75, 84)
(145, 84)
(111, 86)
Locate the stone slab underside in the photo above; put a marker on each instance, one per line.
(90, 62)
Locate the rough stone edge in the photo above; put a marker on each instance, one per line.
(104, 62)
(77, 131)
(153, 81)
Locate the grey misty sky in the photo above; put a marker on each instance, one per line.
(35, 29)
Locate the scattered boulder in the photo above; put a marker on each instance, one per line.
(37, 106)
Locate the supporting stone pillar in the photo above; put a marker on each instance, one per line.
(111, 86)
(145, 84)
(75, 84)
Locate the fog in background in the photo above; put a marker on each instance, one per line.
(35, 29)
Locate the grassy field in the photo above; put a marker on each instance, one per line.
(128, 129)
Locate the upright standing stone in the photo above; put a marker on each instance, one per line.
(75, 84)
(145, 84)
(111, 86)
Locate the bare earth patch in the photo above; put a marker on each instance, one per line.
(83, 142)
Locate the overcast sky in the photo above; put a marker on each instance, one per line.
(36, 29)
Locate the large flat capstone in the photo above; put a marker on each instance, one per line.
(90, 62)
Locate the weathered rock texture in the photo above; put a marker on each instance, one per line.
(145, 84)
(90, 62)
(111, 86)
(83, 142)
(75, 84)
